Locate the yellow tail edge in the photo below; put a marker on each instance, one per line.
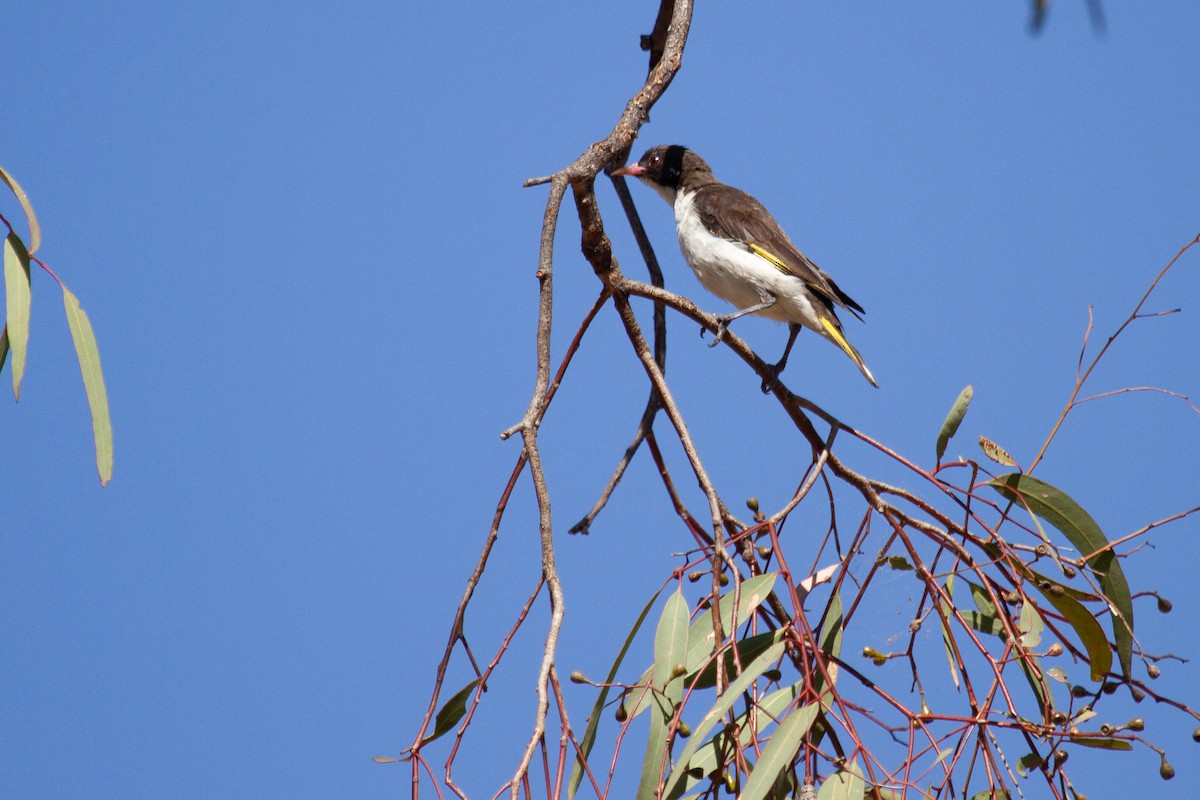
(840, 340)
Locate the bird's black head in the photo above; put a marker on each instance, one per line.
(668, 169)
(663, 165)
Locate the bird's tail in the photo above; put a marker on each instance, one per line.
(835, 333)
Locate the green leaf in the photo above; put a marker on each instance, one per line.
(714, 715)
(991, 794)
(88, 355)
(983, 601)
(35, 230)
(749, 648)
(1079, 618)
(953, 420)
(17, 302)
(450, 713)
(1101, 744)
(766, 712)
(750, 595)
(831, 639)
(780, 752)
(1081, 530)
(1030, 626)
(3, 346)
(589, 736)
(947, 637)
(701, 641)
(845, 784)
(898, 563)
(670, 651)
(1027, 762)
(984, 623)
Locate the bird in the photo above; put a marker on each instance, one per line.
(741, 254)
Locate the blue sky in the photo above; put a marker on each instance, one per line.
(300, 233)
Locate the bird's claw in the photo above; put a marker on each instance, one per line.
(722, 326)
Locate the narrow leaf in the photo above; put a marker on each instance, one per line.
(780, 752)
(947, 637)
(701, 641)
(1101, 744)
(1089, 630)
(984, 623)
(16, 292)
(750, 595)
(766, 711)
(747, 649)
(1031, 666)
(670, 651)
(1081, 530)
(953, 420)
(450, 713)
(713, 716)
(589, 735)
(88, 355)
(35, 230)
(3, 346)
(831, 640)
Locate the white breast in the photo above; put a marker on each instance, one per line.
(735, 274)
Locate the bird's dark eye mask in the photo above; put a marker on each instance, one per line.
(673, 165)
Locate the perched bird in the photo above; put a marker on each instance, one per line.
(740, 254)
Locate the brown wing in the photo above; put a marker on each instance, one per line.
(744, 219)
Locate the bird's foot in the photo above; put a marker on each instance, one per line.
(772, 380)
(722, 326)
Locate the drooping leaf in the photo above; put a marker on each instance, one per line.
(670, 652)
(1030, 626)
(714, 715)
(35, 230)
(748, 649)
(845, 784)
(750, 595)
(1081, 530)
(701, 641)
(451, 712)
(831, 640)
(779, 752)
(589, 736)
(984, 623)
(88, 355)
(947, 637)
(953, 420)
(17, 302)
(1031, 667)
(706, 759)
(3, 346)
(1084, 624)
(991, 794)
